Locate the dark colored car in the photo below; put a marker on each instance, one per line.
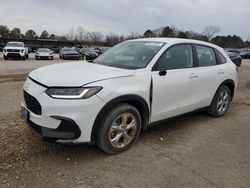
(245, 54)
(69, 53)
(88, 54)
(236, 51)
(235, 58)
(100, 51)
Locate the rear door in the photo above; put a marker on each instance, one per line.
(212, 72)
(175, 82)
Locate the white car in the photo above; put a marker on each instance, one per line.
(44, 53)
(15, 50)
(130, 87)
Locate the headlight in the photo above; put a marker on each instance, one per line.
(22, 51)
(73, 93)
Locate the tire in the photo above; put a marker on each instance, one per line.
(24, 57)
(125, 132)
(221, 102)
(5, 57)
(27, 56)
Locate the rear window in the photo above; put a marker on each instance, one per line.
(220, 58)
(206, 56)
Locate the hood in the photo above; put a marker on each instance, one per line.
(70, 52)
(75, 74)
(14, 47)
(43, 53)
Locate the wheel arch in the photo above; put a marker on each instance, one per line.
(230, 84)
(134, 100)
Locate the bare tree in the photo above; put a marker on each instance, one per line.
(81, 33)
(210, 31)
(71, 34)
(95, 36)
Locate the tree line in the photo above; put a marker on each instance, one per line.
(208, 34)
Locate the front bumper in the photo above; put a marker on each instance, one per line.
(67, 129)
(66, 121)
(44, 57)
(13, 54)
(71, 56)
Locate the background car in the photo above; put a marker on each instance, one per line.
(69, 53)
(44, 53)
(236, 51)
(235, 58)
(15, 50)
(245, 54)
(88, 54)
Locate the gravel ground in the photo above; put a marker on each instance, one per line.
(192, 151)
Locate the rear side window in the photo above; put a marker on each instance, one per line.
(206, 56)
(220, 58)
(176, 57)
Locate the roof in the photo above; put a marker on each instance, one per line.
(176, 40)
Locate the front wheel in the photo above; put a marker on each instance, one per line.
(221, 102)
(119, 129)
(5, 57)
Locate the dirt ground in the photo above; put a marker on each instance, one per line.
(192, 151)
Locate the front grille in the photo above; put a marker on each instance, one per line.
(32, 104)
(12, 50)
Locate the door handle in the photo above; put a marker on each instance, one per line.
(193, 75)
(220, 72)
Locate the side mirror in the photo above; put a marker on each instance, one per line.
(162, 73)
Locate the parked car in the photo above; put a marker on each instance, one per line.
(69, 53)
(15, 50)
(131, 87)
(101, 50)
(245, 54)
(235, 58)
(88, 54)
(44, 53)
(236, 51)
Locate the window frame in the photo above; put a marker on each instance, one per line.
(194, 55)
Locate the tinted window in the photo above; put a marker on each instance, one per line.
(176, 57)
(220, 58)
(206, 56)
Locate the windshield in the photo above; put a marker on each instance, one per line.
(130, 54)
(15, 44)
(67, 50)
(43, 50)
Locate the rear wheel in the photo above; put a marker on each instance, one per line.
(221, 102)
(119, 129)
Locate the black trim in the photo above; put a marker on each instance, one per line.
(195, 57)
(226, 82)
(178, 116)
(37, 82)
(151, 96)
(67, 129)
(134, 100)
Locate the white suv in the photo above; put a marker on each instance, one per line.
(15, 49)
(130, 87)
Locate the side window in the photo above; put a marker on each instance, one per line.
(220, 58)
(176, 57)
(206, 56)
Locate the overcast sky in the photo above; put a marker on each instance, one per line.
(125, 16)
